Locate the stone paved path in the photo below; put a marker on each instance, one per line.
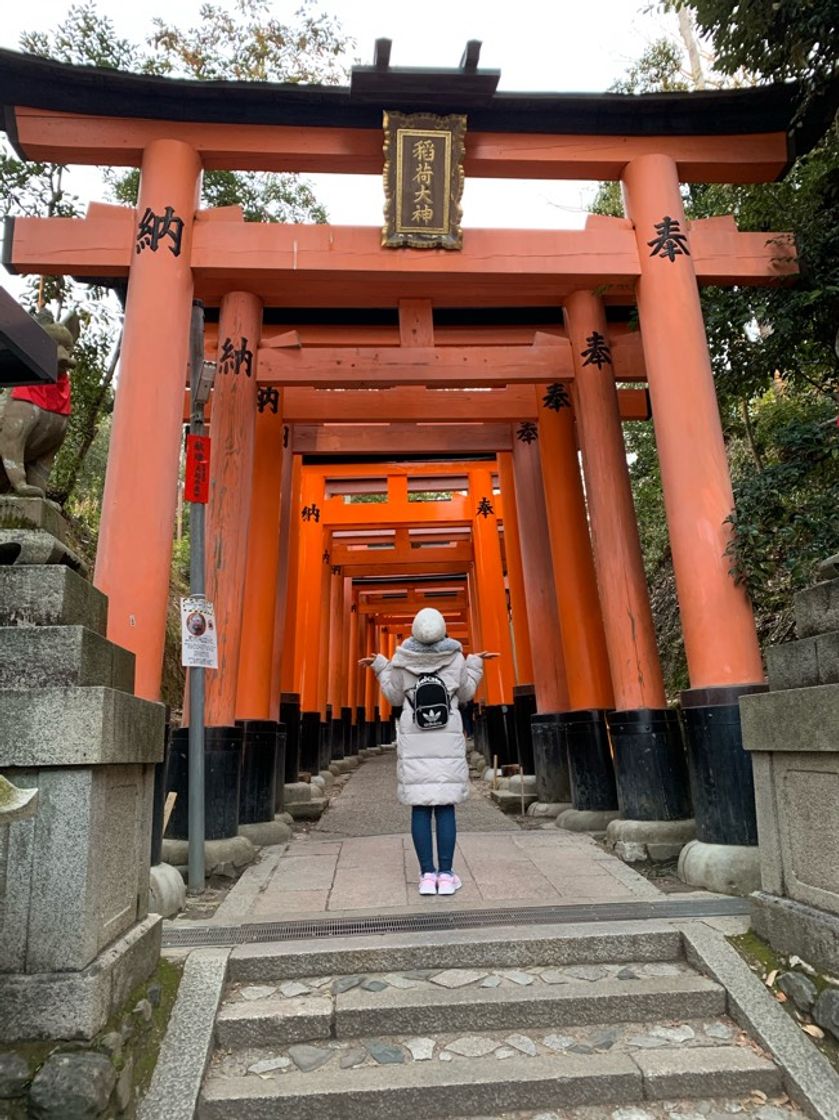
(367, 806)
(359, 858)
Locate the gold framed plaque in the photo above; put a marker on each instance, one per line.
(423, 180)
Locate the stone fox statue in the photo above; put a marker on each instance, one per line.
(34, 422)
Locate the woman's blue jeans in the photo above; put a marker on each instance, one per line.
(446, 836)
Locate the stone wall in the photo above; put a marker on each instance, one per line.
(793, 734)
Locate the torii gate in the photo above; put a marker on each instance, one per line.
(169, 251)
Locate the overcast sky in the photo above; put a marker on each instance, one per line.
(561, 46)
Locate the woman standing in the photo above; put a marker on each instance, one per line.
(428, 677)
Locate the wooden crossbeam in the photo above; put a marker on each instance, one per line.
(410, 405)
(333, 266)
(400, 439)
(69, 137)
(452, 366)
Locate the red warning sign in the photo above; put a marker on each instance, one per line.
(197, 481)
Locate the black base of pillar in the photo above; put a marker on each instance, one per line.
(524, 707)
(347, 725)
(481, 740)
(498, 726)
(720, 769)
(589, 760)
(159, 802)
(258, 786)
(279, 784)
(650, 764)
(377, 727)
(310, 742)
(550, 758)
(359, 730)
(290, 719)
(325, 750)
(337, 749)
(222, 776)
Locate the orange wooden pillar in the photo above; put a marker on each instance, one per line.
(253, 691)
(721, 644)
(627, 618)
(324, 706)
(307, 645)
(590, 778)
(580, 621)
(650, 768)
(720, 639)
(515, 576)
(337, 664)
(285, 694)
(370, 647)
(285, 677)
(351, 669)
(231, 477)
(540, 593)
(138, 506)
(524, 692)
(494, 619)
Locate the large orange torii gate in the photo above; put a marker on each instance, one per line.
(170, 251)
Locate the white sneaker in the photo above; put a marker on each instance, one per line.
(428, 883)
(447, 884)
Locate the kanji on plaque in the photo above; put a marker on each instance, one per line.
(423, 181)
(197, 475)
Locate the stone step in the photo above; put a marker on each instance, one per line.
(484, 1085)
(359, 1012)
(458, 999)
(501, 947)
(50, 595)
(51, 656)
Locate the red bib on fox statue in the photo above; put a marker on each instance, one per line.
(34, 422)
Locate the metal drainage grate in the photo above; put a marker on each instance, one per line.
(197, 936)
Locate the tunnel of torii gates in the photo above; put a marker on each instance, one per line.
(347, 368)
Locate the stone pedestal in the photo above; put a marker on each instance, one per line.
(32, 531)
(791, 733)
(75, 933)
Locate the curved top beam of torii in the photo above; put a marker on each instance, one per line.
(61, 113)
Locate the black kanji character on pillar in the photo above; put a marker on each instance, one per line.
(286, 432)
(527, 432)
(336, 569)
(154, 227)
(325, 556)
(268, 396)
(556, 397)
(233, 360)
(670, 242)
(485, 507)
(598, 352)
(310, 513)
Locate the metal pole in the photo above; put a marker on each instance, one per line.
(196, 587)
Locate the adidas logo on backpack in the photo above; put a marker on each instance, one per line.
(430, 702)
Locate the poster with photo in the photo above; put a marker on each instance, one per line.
(199, 638)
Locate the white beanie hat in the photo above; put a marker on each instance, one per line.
(429, 626)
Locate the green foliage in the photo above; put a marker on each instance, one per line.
(773, 41)
(773, 349)
(232, 39)
(243, 41)
(785, 517)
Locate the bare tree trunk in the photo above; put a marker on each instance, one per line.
(686, 30)
(750, 435)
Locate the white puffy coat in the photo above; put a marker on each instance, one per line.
(431, 765)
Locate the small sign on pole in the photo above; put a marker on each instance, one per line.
(199, 639)
(197, 475)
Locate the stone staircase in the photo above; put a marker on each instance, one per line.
(586, 1025)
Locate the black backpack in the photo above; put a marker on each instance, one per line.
(431, 702)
